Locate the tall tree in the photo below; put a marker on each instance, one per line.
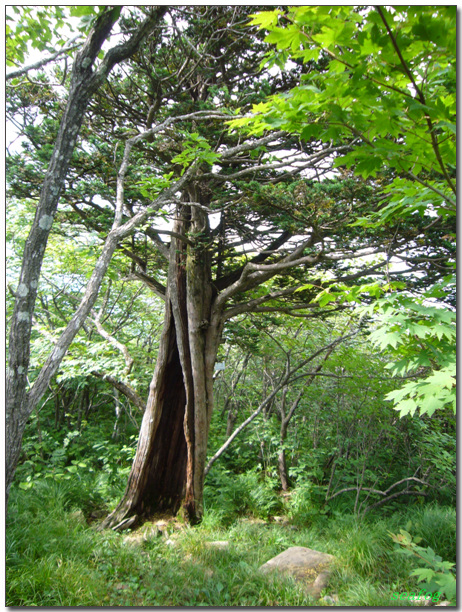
(210, 278)
(216, 224)
(86, 78)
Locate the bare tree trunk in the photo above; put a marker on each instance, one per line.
(168, 469)
(282, 467)
(282, 464)
(115, 430)
(230, 420)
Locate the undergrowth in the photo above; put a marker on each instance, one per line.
(56, 557)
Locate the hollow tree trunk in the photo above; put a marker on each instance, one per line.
(168, 468)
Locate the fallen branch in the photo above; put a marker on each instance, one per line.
(390, 497)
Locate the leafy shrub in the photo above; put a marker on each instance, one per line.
(235, 494)
(261, 498)
(436, 574)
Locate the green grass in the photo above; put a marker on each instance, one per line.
(437, 528)
(54, 558)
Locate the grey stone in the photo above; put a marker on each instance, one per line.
(252, 521)
(422, 601)
(308, 567)
(281, 520)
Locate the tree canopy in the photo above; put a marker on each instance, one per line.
(388, 87)
(300, 168)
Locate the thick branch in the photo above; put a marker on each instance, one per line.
(161, 246)
(150, 282)
(252, 305)
(350, 489)
(125, 50)
(255, 304)
(293, 408)
(386, 496)
(290, 311)
(249, 145)
(225, 281)
(409, 479)
(254, 274)
(390, 497)
(303, 161)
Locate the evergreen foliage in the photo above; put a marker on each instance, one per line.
(244, 306)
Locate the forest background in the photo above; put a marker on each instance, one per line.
(230, 251)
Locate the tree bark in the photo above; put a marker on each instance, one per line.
(282, 467)
(282, 464)
(168, 468)
(157, 477)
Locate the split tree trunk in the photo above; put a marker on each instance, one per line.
(168, 468)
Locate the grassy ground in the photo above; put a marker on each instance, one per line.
(55, 558)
